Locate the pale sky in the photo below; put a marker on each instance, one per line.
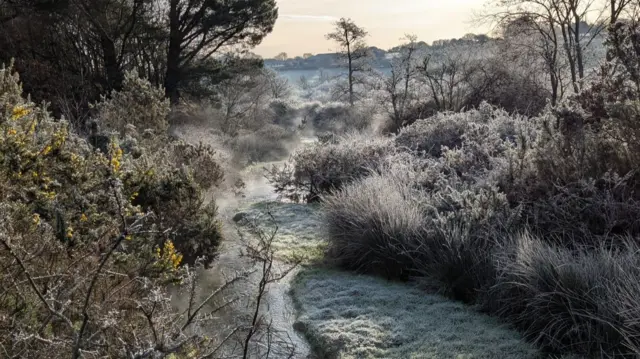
(302, 24)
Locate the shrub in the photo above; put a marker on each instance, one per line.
(177, 202)
(138, 104)
(82, 273)
(432, 134)
(583, 302)
(387, 224)
(501, 86)
(336, 117)
(321, 168)
(201, 160)
(167, 178)
(283, 114)
(270, 143)
(375, 225)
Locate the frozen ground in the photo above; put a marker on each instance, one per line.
(340, 314)
(344, 315)
(299, 230)
(350, 316)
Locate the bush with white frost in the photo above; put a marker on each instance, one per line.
(325, 167)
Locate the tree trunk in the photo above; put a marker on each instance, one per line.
(350, 64)
(172, 78)
(554, 89)
(578, 47)
(568, 49)
(112, 68)
(350, 76)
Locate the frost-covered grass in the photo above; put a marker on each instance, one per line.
(299, 234)
(345, 315)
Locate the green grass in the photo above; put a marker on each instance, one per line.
(344, 315)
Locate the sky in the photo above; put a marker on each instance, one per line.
(302, 24)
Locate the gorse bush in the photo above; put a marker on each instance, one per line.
(179, 209)
(200, 160)
(167, 177)
(139, 104)
(431, 135)
(86, 261)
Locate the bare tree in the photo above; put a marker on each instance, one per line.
(259, 248)
(279, 86)
(350, 38)
(446, 74)
(567, 25)
(398, 86)
(535, 41)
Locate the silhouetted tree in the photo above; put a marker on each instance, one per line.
(350, 38)
(200, 28)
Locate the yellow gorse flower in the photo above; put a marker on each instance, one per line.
(11, 131)
(69, 232)
(83, 218)
(168, 255)
(36, 219)
(19, 112)
(116, 157)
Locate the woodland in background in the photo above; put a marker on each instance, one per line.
(70, 52)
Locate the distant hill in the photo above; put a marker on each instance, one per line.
(380, 58)
(325, 61)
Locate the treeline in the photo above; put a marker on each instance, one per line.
(70, 52)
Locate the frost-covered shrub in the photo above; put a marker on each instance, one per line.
(486, 126)
(432, 134)
(324, 167)
(336, 117)
(375, 225)
(574, 182)
(10, 89)
(387, 224)
(139, 104)
(167, 177)
(85, 271)
(283, 113)
(178, 207)
(201, 160)
(270, 143)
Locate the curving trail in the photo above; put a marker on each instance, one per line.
(317, 312)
